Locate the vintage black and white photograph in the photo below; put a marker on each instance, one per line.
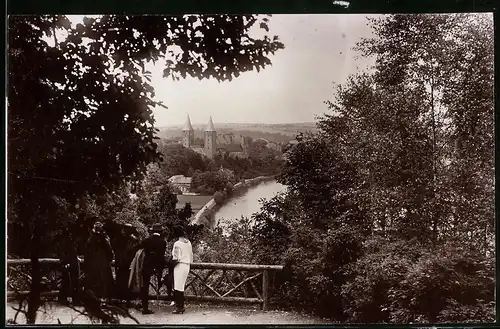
(250, 169)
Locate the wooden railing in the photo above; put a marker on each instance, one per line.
(234, 283)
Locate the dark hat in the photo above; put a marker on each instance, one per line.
(178, 231)
(157, 228)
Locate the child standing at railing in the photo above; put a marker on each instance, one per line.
(182, 254)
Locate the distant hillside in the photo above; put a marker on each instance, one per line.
(272, 132)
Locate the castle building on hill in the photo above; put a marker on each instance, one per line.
(214, 144)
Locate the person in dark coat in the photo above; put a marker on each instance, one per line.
(97, 263)
(70, 268)
(154, 248)
(125, 247)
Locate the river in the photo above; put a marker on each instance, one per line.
(248, 203)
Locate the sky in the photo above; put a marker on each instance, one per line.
(318, 54)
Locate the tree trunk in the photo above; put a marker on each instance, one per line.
(55, 37)
(35, 290)
(434, 218)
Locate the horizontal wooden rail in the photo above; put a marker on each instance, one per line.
(240, 267)
(12, 294)
(195, 266)
(222, 299)
(27, 261)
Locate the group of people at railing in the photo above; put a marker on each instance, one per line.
(135, 266)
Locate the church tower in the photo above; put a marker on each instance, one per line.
(210, 140)
(188, 134)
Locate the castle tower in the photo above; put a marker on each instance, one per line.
(210, 140)
(188, 134)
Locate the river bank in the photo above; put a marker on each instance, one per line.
(205, 215)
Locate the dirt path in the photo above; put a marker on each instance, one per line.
(195, 314)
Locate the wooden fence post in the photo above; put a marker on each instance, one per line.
(265, 287)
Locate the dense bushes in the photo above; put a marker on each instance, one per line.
(408, 283)
(384, 279)
(442, 282)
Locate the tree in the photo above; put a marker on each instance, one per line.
(406, 71)
(469, 97)
(260, 154)
(186, 212)
(435, 69)
(208, 182)
(178, 160)
(154, 179)
(219, 197)
(193, 231)
(164, 206)
(316, 229)
(80, 109)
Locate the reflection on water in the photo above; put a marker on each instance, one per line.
(248, 203)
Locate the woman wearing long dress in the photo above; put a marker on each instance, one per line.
(97, 263)
(182, 254)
